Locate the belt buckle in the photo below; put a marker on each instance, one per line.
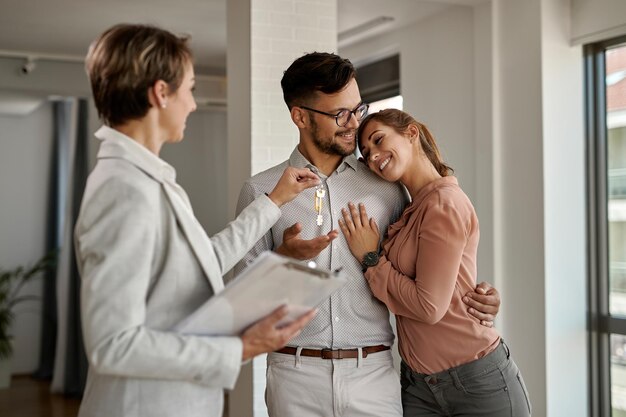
(327, 353)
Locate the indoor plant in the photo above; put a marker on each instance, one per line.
(11, 284)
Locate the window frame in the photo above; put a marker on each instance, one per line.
(601, 324)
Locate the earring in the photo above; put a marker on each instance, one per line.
(164, 105)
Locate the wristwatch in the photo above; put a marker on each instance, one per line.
(370, 259)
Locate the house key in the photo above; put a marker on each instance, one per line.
(319, 197)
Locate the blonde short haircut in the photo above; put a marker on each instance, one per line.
(125, 61)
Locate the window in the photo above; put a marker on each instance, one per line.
(379, 83)
(380, 79)
(394, 102)
(606, 116)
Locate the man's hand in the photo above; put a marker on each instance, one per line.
(484, 303)
(265, 337)
(296, 247)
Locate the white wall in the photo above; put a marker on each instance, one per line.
(540, 200)
(483, 134)
(25, 161)
(201, 167)
(518, 190)
(564, 214)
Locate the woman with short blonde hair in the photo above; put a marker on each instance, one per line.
(145, 261)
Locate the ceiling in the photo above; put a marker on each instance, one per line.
(66, 27)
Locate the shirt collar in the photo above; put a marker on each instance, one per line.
(115, 144)
(299, 161)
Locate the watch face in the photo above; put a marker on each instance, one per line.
(370, 259)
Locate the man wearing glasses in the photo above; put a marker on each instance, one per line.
(341, 363)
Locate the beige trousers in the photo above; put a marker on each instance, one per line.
(313, 387)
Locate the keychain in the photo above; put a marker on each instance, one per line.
(319, 198)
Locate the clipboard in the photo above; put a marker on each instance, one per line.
(267, 283)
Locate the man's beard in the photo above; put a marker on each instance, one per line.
(328, 145)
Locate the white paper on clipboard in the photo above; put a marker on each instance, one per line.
(267, 283)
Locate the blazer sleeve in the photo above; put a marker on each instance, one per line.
(265, 242)
(440, 243)
(252, 222)
(115, 240)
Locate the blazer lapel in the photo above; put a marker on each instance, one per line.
(198, 240)
(116, 145)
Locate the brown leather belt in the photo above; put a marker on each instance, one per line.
(334, 353)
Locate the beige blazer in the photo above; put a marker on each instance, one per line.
(146, 263)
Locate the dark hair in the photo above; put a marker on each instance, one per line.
(317, 71)
(125, 61)
(400, 122)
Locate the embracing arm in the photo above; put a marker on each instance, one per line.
(484, 303)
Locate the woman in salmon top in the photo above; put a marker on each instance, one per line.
(451, 364)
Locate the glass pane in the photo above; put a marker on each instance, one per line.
(618, 375)
(616, 176)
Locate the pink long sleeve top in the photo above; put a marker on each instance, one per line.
(428, 264)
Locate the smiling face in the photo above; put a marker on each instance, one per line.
(389, 154)
(327, 137)
(179, 105)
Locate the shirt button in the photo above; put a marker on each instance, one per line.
(336, 318)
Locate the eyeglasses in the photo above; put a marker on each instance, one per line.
(343, 117)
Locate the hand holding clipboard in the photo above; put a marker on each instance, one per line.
(268, 283)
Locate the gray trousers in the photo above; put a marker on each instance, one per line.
(491, 386)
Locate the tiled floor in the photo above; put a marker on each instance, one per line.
(28, 397)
